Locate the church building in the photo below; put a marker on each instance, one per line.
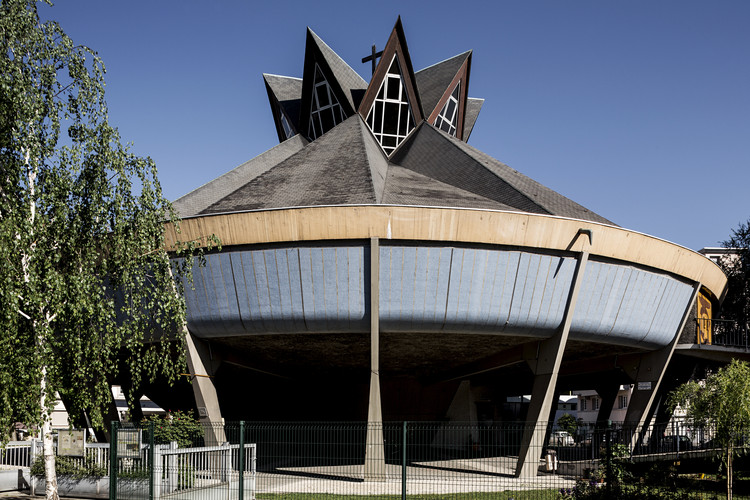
(375, 266)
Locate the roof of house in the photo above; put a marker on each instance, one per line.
(347, 164)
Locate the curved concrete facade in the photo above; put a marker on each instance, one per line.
(436, 288)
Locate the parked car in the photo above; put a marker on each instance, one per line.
(561, 438)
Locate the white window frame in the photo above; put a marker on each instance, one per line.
(376, 125)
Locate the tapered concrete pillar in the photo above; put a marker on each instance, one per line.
(546, 367)
(201, 368)
(608, 394)
(648, 375)
(374, 469)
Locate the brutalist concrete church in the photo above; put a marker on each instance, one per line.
(377, 267)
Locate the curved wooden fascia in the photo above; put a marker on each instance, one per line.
(488, 227)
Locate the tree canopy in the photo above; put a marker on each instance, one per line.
(87, 289)
(720, 404)
(736, 266)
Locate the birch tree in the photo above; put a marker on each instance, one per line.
(86, 286)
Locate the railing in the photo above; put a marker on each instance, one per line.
(722, 332)
(16, 454)
(182, 469)
(308, 461)
(23, 454)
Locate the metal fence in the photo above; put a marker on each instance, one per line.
(415, 460)
(721, 332)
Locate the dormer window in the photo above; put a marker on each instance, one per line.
(447, 120)
(288, 129)
(325, 110)
(390, 118)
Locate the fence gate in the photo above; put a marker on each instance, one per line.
(152, 462)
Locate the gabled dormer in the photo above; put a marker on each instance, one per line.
(443, 88)
(284, 97)
(391, 106)
(331, 89)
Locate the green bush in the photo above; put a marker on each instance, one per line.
(177, 426)
(65, 466)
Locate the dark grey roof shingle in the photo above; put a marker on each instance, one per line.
(429, 152)
(288, 92)
(201, 198)
(332, 170)
(433, 81)
(440, 156)
(353, 85)
(473, 106)
(407, 187)
(547, 199)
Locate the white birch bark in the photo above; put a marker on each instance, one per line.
(40, 329)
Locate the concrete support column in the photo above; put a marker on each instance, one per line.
(374, 469)
(546, 367)
(648, 376)
(201, 368)
(608, 395)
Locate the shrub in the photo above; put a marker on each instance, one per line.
(177, 426)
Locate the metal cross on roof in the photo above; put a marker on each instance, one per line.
(372, 57)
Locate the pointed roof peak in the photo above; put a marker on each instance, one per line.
(339, 65)
(462, 56)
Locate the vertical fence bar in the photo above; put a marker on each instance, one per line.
(403, 463)
(113, 461)
(608, 457)
(150, 460)
(241, 460)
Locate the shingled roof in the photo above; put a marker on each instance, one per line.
(346, 164)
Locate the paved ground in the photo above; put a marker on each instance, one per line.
(448, 476)
(16, 495)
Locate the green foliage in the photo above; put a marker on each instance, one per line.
(66, 466)
(736, 305)
(567, 422)
(587, 490)
(86, 284)
(723, 401)
(618, 456)
(178, 426)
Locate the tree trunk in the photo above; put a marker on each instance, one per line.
(40, 327)
(50, 489)
(729, 472)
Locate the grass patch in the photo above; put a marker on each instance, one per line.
(549, 494)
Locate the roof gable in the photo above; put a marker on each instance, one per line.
(473, 106)
(394, 47)
(435, 81)
(345, 84)
(284, 97)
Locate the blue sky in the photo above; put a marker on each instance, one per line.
(638, 110)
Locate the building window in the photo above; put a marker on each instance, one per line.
(623, 401)
(325, 110)
(447, 120)
(595, 404)
(288, 130)
(584, 404)
(390, 117)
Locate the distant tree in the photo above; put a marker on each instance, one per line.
(736, 305)
(86, 286)
(721, 402)
(567, 422)
(180, 427)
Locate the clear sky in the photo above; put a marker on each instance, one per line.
(638, 110)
